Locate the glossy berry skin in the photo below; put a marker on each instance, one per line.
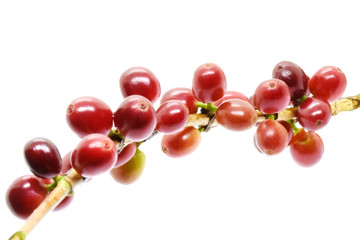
(86, 115)
(94, 155)
(328, 83)
(126, 154)
(135, 118)
(171, 116)
(271, 137)
(43, 157)
(314, 113)
(181, 143)
(184, 95)
(130, 171)
(209, 83)
(236, 115)
(293, 76)
(140, 81)
(306, 148)
(231, 95)
(272, 96)
(24, 195)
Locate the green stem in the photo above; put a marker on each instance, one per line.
(294, 127)
(18, 236)
(271, 116)
(53, 185)
(207, 106)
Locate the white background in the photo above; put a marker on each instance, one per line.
(53, 52)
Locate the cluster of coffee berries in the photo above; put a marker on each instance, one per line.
(312, 97)
(110, 140)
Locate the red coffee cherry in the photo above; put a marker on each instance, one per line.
(24, 195)
(86, 115)
(171, 116)
(271, 137)
(95, 154)
(306, 148)
(328, 83)
(140, 81)
(43, 157)
(272, 96)
(236, 115)
(181, 143)
(135, 118)
(209, 83)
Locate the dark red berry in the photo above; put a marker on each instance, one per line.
(43, 157)
(25, 194)
(293, 76)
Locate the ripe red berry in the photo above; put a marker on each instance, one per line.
(328, 83)
(140, 81)
(130, 171)
(272, 96)
(209, 83)
(306, 148)
(232, 95)
(24, 195)
(95, 154)
(181, 143)
(236, 115)
(314, 113)
(271, 137)
(294, 77)
(171, 116)
(181, 94)
(135, 118)
(86, 115)
(43, 157)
